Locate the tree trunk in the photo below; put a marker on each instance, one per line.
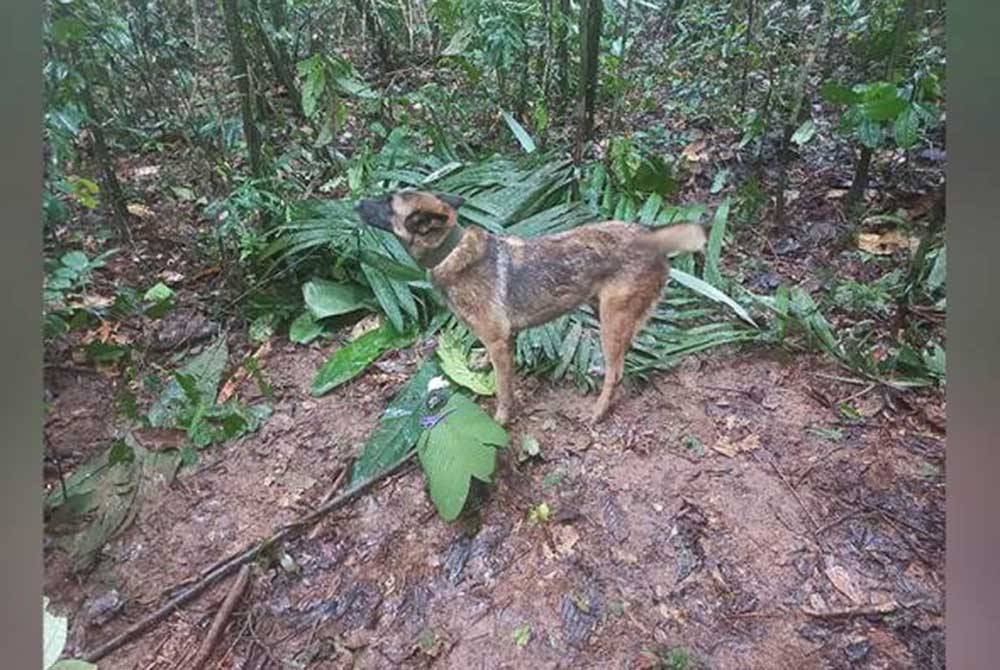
(278, 60)
(562, 53)
(241, 72)
(744, 83)
(374, 26)
(799, 91)
(590, 45)
(621, 68)
(112, 187)
(859, 182)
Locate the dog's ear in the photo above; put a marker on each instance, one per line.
(454, 200)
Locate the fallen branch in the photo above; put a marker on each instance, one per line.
(221, 618)
(860, 610)
(226, 567)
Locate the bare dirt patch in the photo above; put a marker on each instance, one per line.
(723, 510)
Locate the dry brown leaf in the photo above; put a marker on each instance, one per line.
(171, 277)
(91, 302)
(842, 581)
(140, 210)
(728, 448)
(229, 388)
(565, 538)
(365, 325)
(886, 244)
(695, 152)
(836, 193)
(146, 171)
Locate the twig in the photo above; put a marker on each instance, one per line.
(860, 610)
(855, 396)
(221, 618)
(795, 494)
(226, 567)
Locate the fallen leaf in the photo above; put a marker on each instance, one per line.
(229, 388)
(836, 193)
(171, 277)
(140, 210)
(727, 448)
(365, 325)
(886, 244)
(565, 538)
(842, 581)
(695, 152)
(146, 171)
(91, 302)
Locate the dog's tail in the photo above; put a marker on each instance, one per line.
(677, 238)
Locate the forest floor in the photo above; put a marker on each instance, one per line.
(726, 515)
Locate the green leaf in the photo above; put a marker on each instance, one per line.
(839, 94)
(53, 635)
(719, 182)
(326, 298)
(304, 329)
(351, 359)
(458, 43)
(804, 133)
(707, 290)
(453, 361)
(202, 373)
(523, 138)
(399, 427)
(314, 72)
(882, 103)
(937, 276)
(870, 134)
(73, 664)
(77, 260)
(713, 250)
(462, 445)
(262, 328)
(158, 293)
(522, 635)
(392, 268)
(906, 128)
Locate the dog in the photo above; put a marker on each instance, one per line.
(499, 285)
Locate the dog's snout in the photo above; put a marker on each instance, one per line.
(377, 213)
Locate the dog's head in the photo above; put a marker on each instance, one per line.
(421, 221)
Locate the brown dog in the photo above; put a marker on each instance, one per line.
(500, 285)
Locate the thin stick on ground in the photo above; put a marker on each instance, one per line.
(226, 567)
(222, 618)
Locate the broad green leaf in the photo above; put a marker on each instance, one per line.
(399, 426)
(304, 329)
(453, 361)
(53, 635)
(804, 133)
(73, 664)
(870, 134)
(882, 103)
(713, 250)
(938, 274)
(703, 288)
(523, 138)
(77, 260)
(906, 128)
(158, 293)
(205, 372)
(839, 94)
(326, 298)
(459, 41)
(460, 446)
(351, 359)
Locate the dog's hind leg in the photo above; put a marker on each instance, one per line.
(501, 351)
(624, 307)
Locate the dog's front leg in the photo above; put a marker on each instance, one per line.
(501, 353)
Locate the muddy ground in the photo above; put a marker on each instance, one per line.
(714, 519)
